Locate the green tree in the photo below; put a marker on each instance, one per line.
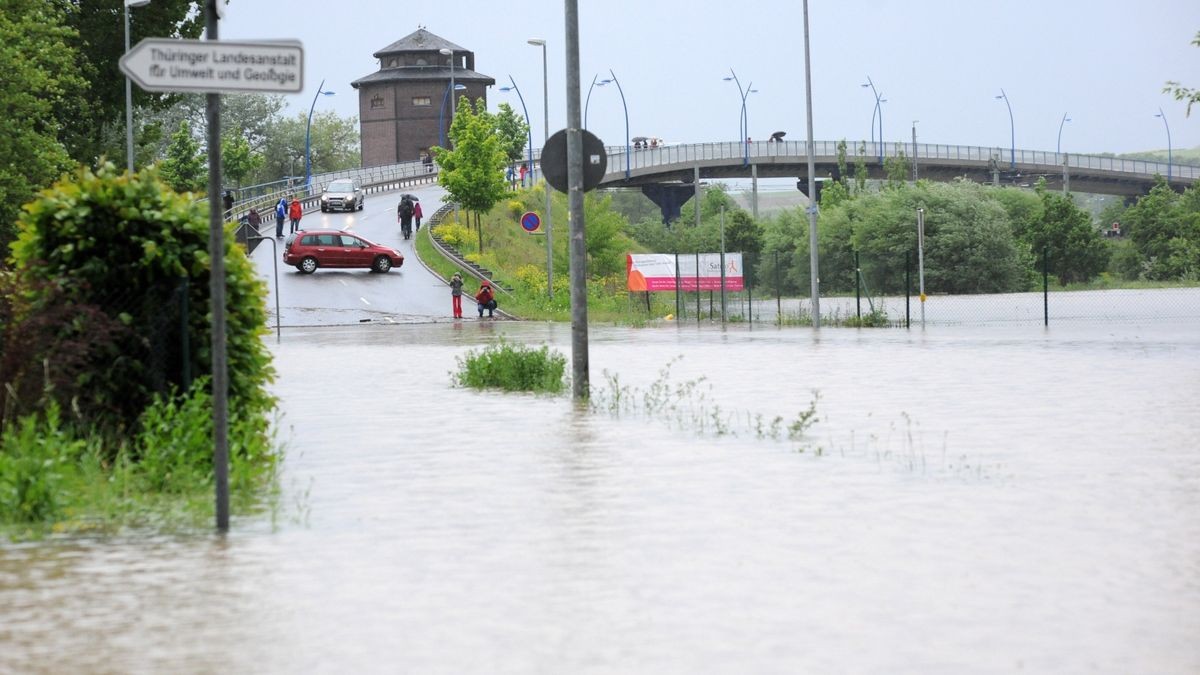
(1064, 233)
(473, 172)
(41, 78)
(860, 169)
(184, 168)
(98, 128)
(513, 131)
(238, 159)
(1164, 227)
(1181, 93)
(333, 145)
(897, 169)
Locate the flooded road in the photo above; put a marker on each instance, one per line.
(978, 500)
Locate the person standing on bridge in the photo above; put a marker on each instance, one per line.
(456, 284)
(295, 212)
(281, 212)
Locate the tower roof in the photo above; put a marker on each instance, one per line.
(419, 40)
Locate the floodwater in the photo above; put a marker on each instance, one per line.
(982, 500)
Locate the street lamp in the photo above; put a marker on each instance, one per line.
(129, 89)
(1168, 128)
(614, 80)
(588, 101)
(450, 52)
(308, 136)
(877, 111)
(538, 42)
(442, 111)
(1012, 129)
(744, 120)
(528, 128)
(1065, 119)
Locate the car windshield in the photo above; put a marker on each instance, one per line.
(340, 186)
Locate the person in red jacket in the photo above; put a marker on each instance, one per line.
(485, 299)
(295, 212)
(417, 213)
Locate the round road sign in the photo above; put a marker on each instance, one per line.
(531, 222)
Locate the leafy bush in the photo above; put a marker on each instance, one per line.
(36, 456)
(453, 233)
(125, 244)
(513, 368)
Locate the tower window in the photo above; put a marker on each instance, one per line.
(421, 101)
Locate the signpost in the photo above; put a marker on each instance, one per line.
(161, 64)
(214, 67)
(531, 223)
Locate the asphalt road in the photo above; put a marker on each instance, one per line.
(410, 294)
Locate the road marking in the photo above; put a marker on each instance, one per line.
(365, 301)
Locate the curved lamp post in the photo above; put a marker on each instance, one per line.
(744, 120)
(528, 128)
(308, 136)
(1065, 119)
(539, 42)
(877, 112)
(1168, 128)
(587, 102)
(442, 126)
(1012, 130)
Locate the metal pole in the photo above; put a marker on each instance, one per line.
(678, 303)
(778, 293)
(1066, 174)
(575, 222)
(216, 252)
(907, 288)
(814, 279)
(622, 93)
(857, 287)
(128, 103)
(722, 264)
(1168, 128)
(528, 127)
(921, 261)
(1012, 129)
(696, 198)
(1065, 119)
(275, 264)
(1045, 286)
(697, 288)
(914, 127)
(588, 101)
(754, 189)
(546, 128)
(308, 139)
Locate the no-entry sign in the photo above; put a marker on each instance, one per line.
(159, 64)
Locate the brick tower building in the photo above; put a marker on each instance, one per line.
(404, 107)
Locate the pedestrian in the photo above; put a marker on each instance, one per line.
(404, 213)
(255, 219)
(228, 200)
(281, 212)
(456, 284)
(295, 212)
(485, 299)
(417, 213)
(428, 161)
(511, 177)
(524, 170)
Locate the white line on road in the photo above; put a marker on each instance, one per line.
(365, 301)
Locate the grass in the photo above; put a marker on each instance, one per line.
(57, 479)
(509, 367)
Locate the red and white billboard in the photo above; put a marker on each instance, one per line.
(657, 272)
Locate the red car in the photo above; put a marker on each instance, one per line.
(307, 250)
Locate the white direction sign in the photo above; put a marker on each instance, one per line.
(160, 64)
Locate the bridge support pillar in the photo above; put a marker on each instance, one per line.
(1066, 176)
(670, 198)
(696, 187)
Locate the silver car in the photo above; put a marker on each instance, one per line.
(343, 194)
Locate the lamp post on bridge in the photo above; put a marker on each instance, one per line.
(1168, 128)
(308, 137)
(528, 128)
(877, 112)
(442, 126)
(1058, 148)
(744, 119)
(1012, 129)
(601, 83)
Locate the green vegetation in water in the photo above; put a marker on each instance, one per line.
(686, 405)
(55, 478)
(510, 367)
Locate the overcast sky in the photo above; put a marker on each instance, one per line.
(942, 62)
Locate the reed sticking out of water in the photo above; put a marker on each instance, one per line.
(686, 405)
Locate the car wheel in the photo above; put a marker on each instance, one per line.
(361, 204)
(382, 264)
(308, 265)
(323, 209)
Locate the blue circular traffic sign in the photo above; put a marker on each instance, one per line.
(531, 222)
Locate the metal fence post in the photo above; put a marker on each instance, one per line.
(857, 287)
(778, 293)
(907, 289)
(1046, 286)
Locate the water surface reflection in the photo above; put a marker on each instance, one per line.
(972, 500)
